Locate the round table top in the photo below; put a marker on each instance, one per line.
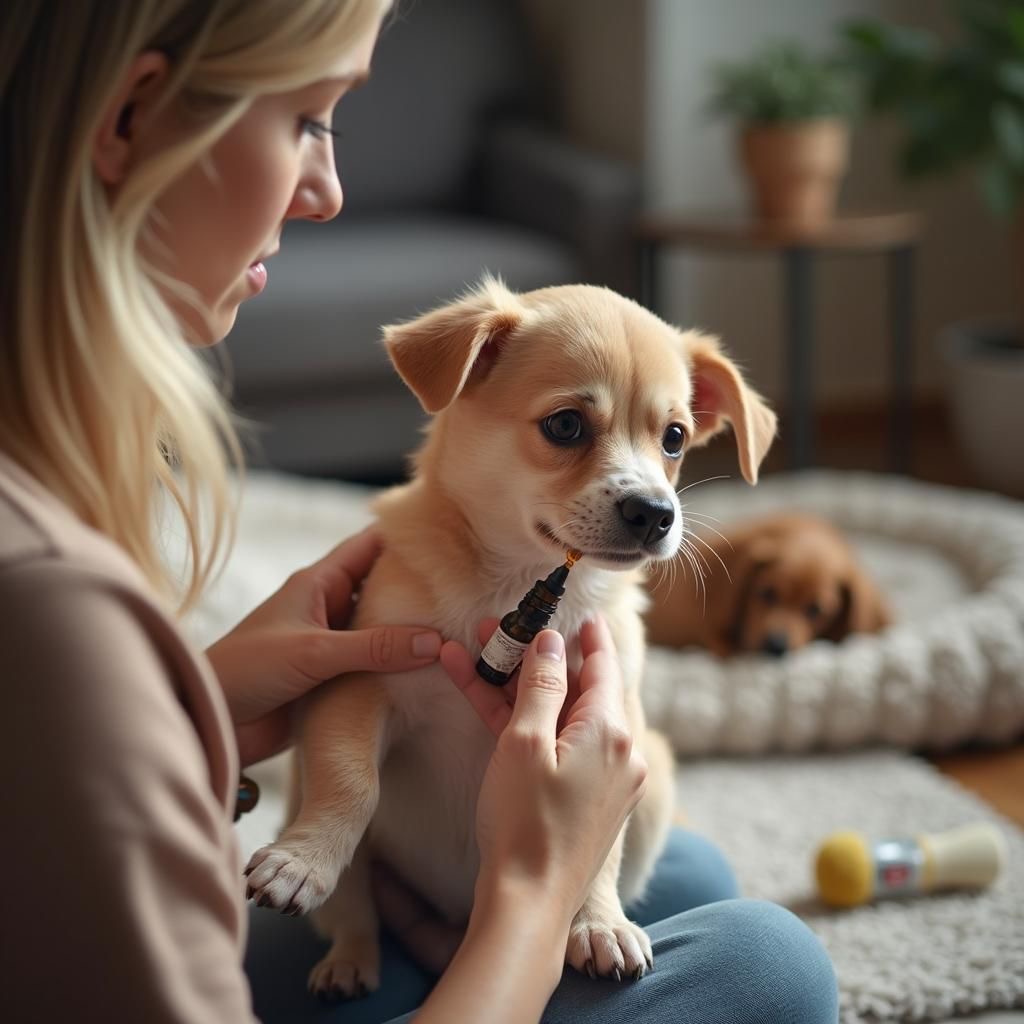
(850, 231)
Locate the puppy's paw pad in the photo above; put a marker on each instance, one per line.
(345, 976)
(287, 880)
(620, 950)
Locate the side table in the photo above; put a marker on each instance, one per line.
(892, 235)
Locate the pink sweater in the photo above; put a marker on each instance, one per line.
(122, 895)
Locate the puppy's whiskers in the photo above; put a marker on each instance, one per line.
(700, 540)
(706, 480)
(686, 550)
(711, 529)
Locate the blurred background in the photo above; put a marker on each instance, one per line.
(541, 140)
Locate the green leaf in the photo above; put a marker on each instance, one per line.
(1010, 76)
(1002, 188)
(1008, 129)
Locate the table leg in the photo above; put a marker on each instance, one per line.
(901, 320)
(799, 432)
(648, 273)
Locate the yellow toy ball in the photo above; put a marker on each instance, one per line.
(844, 870)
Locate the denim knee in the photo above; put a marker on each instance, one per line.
(759, 963)
(691, 871)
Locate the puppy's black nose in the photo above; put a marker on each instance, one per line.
(647, 518)
(775, 644)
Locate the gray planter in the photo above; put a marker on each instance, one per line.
(985, 372)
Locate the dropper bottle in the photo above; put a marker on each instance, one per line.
(504, 651)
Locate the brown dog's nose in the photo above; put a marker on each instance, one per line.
(647, 518)
(775, 644)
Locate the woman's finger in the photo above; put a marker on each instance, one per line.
(330, 652)
(485, 629)
(542, 686)
(342, 570)
(491, 703)
(596, 636)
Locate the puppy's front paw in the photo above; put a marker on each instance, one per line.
(349, 969)
(609, 949)
(292, 879)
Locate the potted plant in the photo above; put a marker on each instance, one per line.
(962, 104)
(793, 112)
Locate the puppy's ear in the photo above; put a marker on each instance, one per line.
(720, 396)
(437, 353)
(862, 608)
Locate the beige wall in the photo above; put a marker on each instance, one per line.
(633, 80)
(595, 53)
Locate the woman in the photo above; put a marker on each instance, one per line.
(152, 152)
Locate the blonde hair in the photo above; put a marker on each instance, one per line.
(102, 399)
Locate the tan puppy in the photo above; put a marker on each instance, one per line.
(561, 420)
(770, 585)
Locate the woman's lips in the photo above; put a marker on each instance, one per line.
(256, 275)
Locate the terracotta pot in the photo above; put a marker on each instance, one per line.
(796, 168)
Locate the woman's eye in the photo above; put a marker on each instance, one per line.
(319, 129)
(673, 440)
(563, 427)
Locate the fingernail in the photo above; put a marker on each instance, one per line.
(551, 645)
(426, 645)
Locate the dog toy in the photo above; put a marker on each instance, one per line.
(852, 870)
(504, 651)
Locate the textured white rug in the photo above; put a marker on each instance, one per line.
(925, 959)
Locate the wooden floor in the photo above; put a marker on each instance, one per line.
(856, 439)
(997, 776)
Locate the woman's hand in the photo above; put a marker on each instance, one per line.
(297, 639)
(561, 781)
(563, 777)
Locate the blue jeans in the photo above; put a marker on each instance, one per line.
(717, 960)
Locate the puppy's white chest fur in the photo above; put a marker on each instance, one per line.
(439, 749)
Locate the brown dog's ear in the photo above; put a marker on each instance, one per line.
(749, 556)
(720, 395)
(437, 353)
(862, 608)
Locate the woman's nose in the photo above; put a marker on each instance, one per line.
(318, 195)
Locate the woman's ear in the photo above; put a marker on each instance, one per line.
(114, 141)
(720, 396)
(441, 352)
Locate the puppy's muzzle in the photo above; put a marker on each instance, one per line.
(647, 518)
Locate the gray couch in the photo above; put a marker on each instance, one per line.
(449, 168)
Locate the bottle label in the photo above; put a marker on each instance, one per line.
(899, 864)
(503, 653)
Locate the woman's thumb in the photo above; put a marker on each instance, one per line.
(542, 684)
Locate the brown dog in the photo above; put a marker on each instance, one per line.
(770, 585)
(561, 418)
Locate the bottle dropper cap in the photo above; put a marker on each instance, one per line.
(555, 581)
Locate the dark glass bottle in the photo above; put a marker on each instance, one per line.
(504, 651)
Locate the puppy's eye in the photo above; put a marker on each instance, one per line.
(563, 427)
(769, 595)
(813, 610)
(673, 440)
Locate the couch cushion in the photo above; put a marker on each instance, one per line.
(295, 334)
(441, 71)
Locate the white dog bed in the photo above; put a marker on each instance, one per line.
(951, 669)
